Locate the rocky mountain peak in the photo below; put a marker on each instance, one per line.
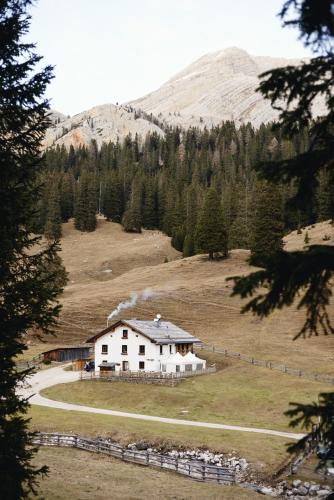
(218, 86)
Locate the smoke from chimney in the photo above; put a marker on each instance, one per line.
(134, 298)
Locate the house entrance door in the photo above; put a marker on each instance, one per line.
(125, 366)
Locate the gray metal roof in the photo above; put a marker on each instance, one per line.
(162, 332)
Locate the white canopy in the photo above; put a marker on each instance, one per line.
(170, 362)
(191, 358)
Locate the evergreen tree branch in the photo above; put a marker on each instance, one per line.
(305, 276)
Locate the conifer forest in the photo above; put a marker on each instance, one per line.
(165, 183)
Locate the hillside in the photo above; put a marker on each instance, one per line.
(191, 292)
(321, 233)
(103, 123)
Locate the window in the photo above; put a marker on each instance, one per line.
(141, 350)
(141, 365)
(163, 368)
(104, 349)
(125, 334)
(161, 348)
(199, 366)
(188, 368)
(177, 368)
(170, 349)
(124, 349)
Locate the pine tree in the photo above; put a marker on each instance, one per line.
(324, 198)
(67, 196)
(80, 205)
(178, 239)
(150, 208)
(188, 246)
(211, 236)
(107, 201)
(306, 239)
(53, 229)
(240, 230)
(267, 230)
(85, 203)
(132, 218)
(27, 285)
(91, 200)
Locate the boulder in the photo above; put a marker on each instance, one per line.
(302, 491)
(314, 488)
(265, 490)
(296, 483)
(322, 493)
(243, 463)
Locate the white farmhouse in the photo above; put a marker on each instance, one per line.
(150, 346)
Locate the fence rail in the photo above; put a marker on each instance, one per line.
(141, 375)
(194, 470)
(317, 377)
(31, 363)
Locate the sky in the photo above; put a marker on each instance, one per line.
(108, 51)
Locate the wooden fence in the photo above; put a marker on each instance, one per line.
(143, 376)
(318, 377)
(31, 363)
(192, 469)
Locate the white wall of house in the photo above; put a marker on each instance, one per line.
(113, 352)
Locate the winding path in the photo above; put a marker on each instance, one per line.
(53, 376)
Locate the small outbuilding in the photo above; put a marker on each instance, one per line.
(67, 353)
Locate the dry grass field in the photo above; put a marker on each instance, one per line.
(260, 402)
(78, 474)
(191, 292)
(265, 453)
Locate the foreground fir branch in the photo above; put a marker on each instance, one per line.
(29, 282)
(305, 276)
(318, 417)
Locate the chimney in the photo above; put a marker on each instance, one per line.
(157, 319)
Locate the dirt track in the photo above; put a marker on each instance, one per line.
(57, 375)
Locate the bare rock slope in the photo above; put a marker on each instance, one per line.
(103, 123)
(218, 86)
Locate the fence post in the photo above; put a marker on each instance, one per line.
(203, 472)
(213, 348)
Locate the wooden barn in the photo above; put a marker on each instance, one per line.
(67, 353)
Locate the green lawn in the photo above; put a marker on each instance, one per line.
(238, 394)
(79, 474)
(266, 453)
